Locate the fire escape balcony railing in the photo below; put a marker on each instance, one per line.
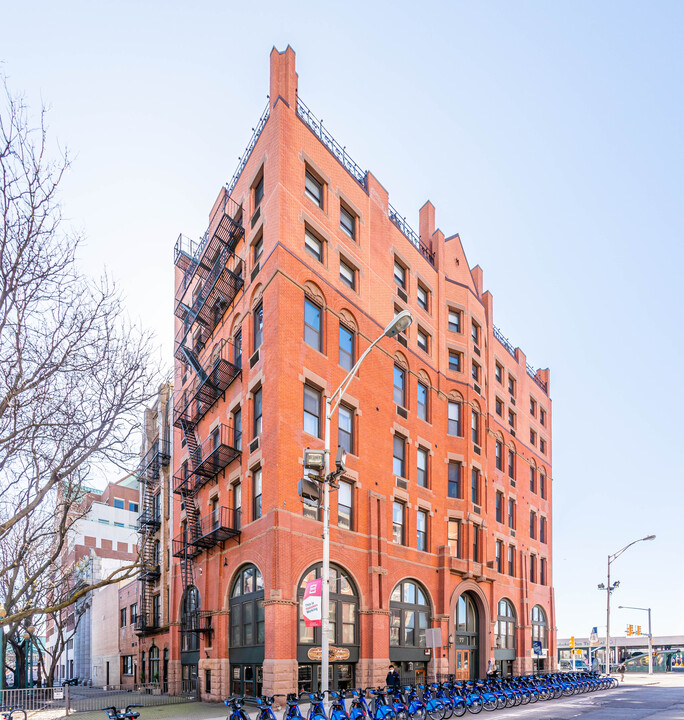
(151, 573)
(198, 259)
(215, 453)
(219, 525)
(191, 406)
(149, 520)
(145, 622)
(158, 455)
(181, 544)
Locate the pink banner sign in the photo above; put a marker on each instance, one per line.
(311, 604)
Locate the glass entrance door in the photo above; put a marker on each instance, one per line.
(462, 665)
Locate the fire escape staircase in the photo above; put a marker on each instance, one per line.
(149, 521)
(212, 278)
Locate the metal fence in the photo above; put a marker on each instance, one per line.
(82, 699)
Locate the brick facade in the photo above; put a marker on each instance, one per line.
(280, 275)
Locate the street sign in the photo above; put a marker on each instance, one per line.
(58, 693)
(433, 637)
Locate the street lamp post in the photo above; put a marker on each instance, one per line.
(609, 589)
(398, 324)
(650, 635)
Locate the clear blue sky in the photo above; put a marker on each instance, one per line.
(549, 134)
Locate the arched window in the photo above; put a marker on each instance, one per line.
(247, 608)
(539, 625)
(154, 664)
(190, 620)
(344, 609)
(466, 622)
(505, 627)
(410, 615)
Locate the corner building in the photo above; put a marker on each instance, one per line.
(443, 516)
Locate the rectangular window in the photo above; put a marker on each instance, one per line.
(542, 445)
(476, 372)
(499, 556)
(542, 571)
(498, 373)
(120, 524)
(133, 506)
(511, 464)
(256, 429)
(475, 427)
(533, 407)
(533, 568)
(475, 486)
(533, 480)
(313, 188)
(511, 419)
(511, 513)
(511, 560)
(455, 321)
(533, 437)
(400, 275)
(499, 455)
(119, 503)
(134, 613)
(259, 192)
(258, 328)
(542, 485)
(542, 529)
(237, 345)
(399, 456)
(347, 275)
(455, 360)
(237, 429)
(256, 484)
(511, 385)
(312, 325)
(499, 507)
(533, 525)
(421, 530)
(347, 223)
(422, 401)
(122, 617)
(398, 522)
(422, 468)
(422, 340)
(346, 352)
(345, 504)
(454, 427)
(499, 407)
(453, 534)
(313, 245)
(312, 411)
(258, 249)
(399, 386)
(476, 543)
(542, 416)
(455, 479)
(345, 429)
(422, 296)
(475, 333)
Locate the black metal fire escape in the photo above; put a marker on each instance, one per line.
(149, 521)
(212, 277)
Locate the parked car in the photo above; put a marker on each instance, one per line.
(70, 681)
(581, 665)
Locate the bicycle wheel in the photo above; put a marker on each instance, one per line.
(436, 712)
(475, 706)
(460, 708)
(418, 713)
(448, 709)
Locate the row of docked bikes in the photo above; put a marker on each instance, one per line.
(437, 701)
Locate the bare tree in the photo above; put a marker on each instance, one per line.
(75, 374)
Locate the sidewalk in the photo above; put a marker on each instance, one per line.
(662, 679)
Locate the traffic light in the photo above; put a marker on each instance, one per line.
(572, 642)
(638, 630)
(630, 630)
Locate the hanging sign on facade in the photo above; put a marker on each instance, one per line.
(311, 604)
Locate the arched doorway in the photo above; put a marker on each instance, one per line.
(247, 632)
(540, 632)
(344, 634)
(189, 627)
(466, 638)
(505, 651)
(409, 618)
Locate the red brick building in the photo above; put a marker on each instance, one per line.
(443, 516)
